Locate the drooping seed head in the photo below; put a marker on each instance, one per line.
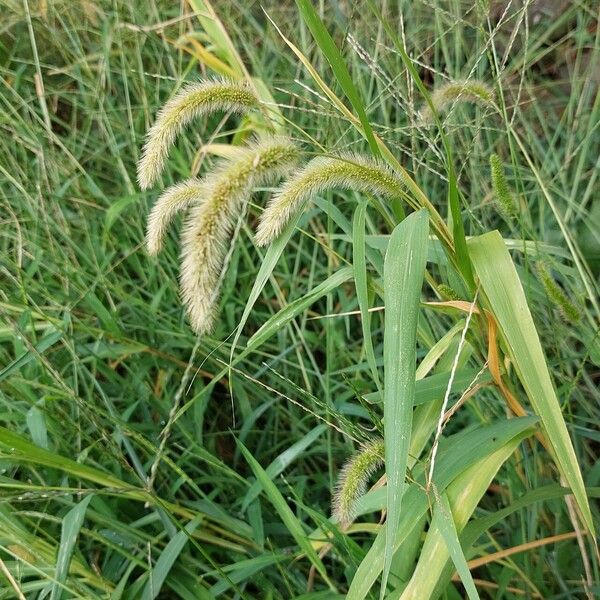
(175, 199)
(458, 91)
(348, 171)
(208, 227)
(192, 101)
(353, 479)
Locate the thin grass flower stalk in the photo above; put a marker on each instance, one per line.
(446, 95)
(502, 192)
(192, 101)
(353, 479)
(349, 171)
(207, 230)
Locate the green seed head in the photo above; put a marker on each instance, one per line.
(209, 224)
(568, 310)
(502, 192)
(353, 479)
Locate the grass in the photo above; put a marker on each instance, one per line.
(139, 461)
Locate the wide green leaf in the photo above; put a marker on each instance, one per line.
(403, 272)
(504, 292)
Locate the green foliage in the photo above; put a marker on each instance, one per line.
(140, 460)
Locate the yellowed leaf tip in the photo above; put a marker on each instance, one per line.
(348, 171)
(208, 227)
(192, 101)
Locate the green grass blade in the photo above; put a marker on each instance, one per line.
(218, 35)
(167, 559)
(502, 287)
(277, 321)
(458, 230)
(457, 454)
(272, 255)
(338, 66)
(443, 521)
(71, 525)
(464, 494)
(14, 447)
(403, 273)
(285, 513)
(283, 461)
(44, 344)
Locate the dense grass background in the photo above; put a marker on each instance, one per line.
(94, 348)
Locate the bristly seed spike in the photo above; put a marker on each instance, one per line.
(192, 101)
(349, 171)
(208, 227)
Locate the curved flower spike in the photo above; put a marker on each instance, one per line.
(350, 171)
(353, 479)
(192, 101)
(456, 91)
(209, 224)
(175, 199)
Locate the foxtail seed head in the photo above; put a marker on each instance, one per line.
(569, 312)
(353, 479)
(502, 191)
(456, 91)
(350, 171)
(175, 199)
(192, 101)
(208, 227)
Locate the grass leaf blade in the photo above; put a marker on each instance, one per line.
(403, 272)
(503, 289)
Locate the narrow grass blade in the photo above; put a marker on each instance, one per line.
(167, 559)
(503, 289)
(272, 255)
(458, 231)
(338, 66)
(283, 461)
(403, 273)
(14, 447)
(285, 513)
(218, 35)
(443, 521)
(44, 344)
(71, 525)
(277, 321)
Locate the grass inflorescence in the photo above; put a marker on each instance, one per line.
(347, 171)
(192, 101)
(208, 225)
